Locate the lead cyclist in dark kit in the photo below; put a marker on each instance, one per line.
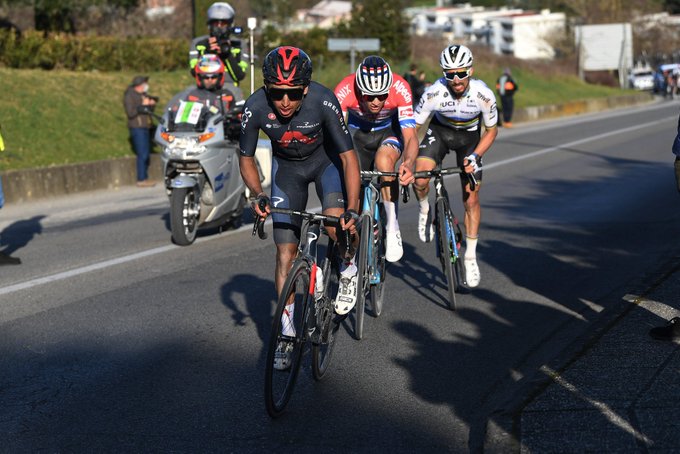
(310, 144)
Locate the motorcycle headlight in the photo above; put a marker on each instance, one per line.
(183, 147)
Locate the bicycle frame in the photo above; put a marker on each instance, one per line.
(371, 207)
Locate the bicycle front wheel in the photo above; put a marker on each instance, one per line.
(363, 275)
(282, 371)
(446, 252)
(380, 262)
(327, 321)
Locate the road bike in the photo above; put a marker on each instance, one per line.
(313, 317)
(371, 253)
(448, 234)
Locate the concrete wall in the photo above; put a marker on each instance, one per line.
(32, 184)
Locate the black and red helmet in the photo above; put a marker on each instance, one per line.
(287, 65)
(210, 66)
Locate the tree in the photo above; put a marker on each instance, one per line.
(383, 20)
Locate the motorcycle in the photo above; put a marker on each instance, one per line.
(200, 166)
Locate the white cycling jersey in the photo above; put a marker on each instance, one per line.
(458, 113)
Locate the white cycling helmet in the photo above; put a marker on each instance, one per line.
(454, 57)
(374, 76)
(220, 11)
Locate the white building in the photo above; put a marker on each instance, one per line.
(526, 35)
(438, 20)
(474, 26)
(325, 14)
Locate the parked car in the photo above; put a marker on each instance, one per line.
(641, 79)
(660, 76)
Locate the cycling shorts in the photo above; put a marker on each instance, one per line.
(367, 143)
(440, 140)
(290, 188)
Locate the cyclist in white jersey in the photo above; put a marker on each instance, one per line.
(460, 107)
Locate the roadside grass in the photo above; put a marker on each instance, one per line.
(52, 118)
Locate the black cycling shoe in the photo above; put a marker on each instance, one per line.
(668, 332)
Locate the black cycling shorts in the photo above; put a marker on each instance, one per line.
(290, 189)
(440, 140)
(367, 143)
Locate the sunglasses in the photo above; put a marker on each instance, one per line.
(459, 74)
(369, 98)
(294, 94)
(210, 77)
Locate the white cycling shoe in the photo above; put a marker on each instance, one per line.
(347, 295)
(472, 274)
(283, 355)
(423, 221)
(394, 250)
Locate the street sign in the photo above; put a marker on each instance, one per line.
(353, 45)
(340, 44)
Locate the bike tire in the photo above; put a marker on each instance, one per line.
(446, 255)
(279, 384)
(329, 323)
(363, 275)
(377, 290)
(183, 222)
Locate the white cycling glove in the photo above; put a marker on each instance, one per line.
(475, 162)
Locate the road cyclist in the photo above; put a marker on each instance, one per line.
(377, 105)
(460, 107)
(310, 144)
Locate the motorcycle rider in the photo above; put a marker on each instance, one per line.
(218, 42)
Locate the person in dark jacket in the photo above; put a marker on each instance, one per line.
(139, 125)
(506, 88)
(417, 85)
(676, 152)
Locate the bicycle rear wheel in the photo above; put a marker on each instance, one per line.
(363, 275)
(279, 384)
(327, 321)
(380, 262)
(446, 253)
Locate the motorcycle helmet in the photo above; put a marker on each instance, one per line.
(209, 66)
(374, 76)
(454, 57)
(287, 65)
(220, 19)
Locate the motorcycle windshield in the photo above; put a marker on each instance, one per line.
(189, 116)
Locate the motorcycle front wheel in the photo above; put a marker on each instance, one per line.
(184, 211)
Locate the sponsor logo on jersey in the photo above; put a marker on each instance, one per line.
(271, 116)
(294, 136)
(403, 91)
(483, 98)
(308, 125)
(343, 92)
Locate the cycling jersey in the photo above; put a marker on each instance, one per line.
(397, 105)
(306, 149)
(458, 113)
(317, 122)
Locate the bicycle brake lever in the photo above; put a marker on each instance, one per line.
(405, 194)
(260, 230)
(473, 181)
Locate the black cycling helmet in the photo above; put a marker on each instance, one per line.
(287, 65)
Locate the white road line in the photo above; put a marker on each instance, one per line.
(128, 258)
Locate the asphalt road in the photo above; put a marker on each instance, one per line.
(113, 339)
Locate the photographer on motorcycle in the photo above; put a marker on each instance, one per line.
(219, 42)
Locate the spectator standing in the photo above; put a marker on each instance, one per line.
(415, 82)
(506, 88)
(676, 152)
(140, 125)
(4, 258)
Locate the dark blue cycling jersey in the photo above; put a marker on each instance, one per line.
(317, 126)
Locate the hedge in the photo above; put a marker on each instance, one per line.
(34, 49)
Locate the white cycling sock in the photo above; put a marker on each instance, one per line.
(348, 268)
(391, 214)
(471, 247)
(424, 205)
(287, 327)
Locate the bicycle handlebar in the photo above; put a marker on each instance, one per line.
(368, 175)
(447, 171)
